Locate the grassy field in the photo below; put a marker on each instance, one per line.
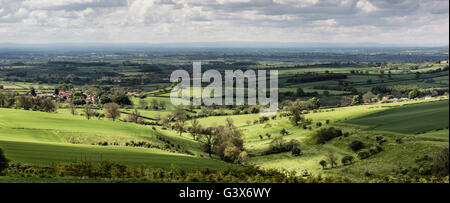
(391, 159)
(409, 119)
(47, 138)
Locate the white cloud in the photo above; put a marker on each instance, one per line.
(366, 6)
(383, 21)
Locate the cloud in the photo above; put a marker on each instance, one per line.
(151, 21)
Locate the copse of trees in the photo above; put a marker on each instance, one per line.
(35, 103)
(326, 134)
(7, 99)
(279, 145)
(356, 145)
(295, 109)
(115, 95)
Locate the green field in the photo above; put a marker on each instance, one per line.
(39, 138)
(409, 119)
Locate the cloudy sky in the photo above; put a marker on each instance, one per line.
(421, 22)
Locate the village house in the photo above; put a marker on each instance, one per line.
(133, 94)
(67, 96)
(44, 95)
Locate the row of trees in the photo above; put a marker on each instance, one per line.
(27, 102)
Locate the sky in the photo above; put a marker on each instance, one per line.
(404, 22)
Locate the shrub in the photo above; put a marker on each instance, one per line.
(379, 138)
(279, 145)
(363, 155)
(440, 163)
(347, 160)
(296, 151)
(3, 161)
(323, 163)
(356, 145)
(284, 132)
(375, 149)
(325, 134)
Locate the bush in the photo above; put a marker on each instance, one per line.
(363, 155)
(325, 134)
(375, 149)
(3, 161)
(356, 145)
(296, 151)
(440, 163)
(279, 145)
(323, 163)
(347, 160)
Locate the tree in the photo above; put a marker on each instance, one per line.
(88, 111)
(332, 159)
(230, 122)
(32, 91)
(179, 127)
(112, 111)
(24, 102)
(368, 97)
(195, 128)
(323, 163)
(356, 100)
(73, 110)
(180, 117)
(208, 139)
(229, 143)
(356, 145)
(179, 114)
(299, 92)
(134, 116)
(296, 115)
(3, 99)
(3, 161)
(48, 105)
(119, 97)
(440, 163)
(325, 134)
(415, 93)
